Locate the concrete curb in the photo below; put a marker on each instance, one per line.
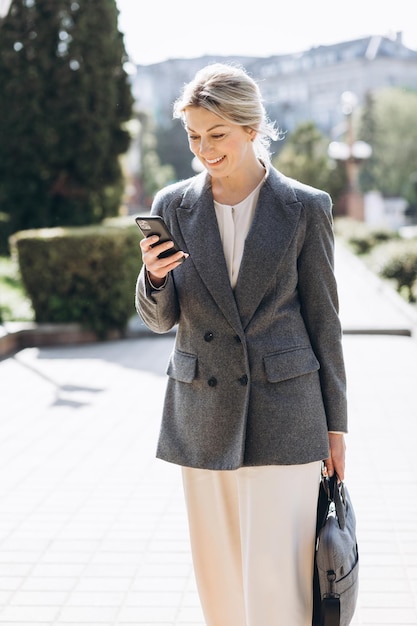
(16, 336)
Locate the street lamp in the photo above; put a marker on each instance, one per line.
(352, 153)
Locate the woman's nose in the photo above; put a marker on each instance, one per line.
(204, 146)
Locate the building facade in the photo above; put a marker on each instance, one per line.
(305, 86)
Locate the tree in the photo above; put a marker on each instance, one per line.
(64, 98)
(389, 125)
(173, 148)
(304, 157)
(153, 175)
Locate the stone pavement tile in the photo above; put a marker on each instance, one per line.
(36, 615)
(380, 476)
(366, 302)
(93, 519)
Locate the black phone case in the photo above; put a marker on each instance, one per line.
(155, 225)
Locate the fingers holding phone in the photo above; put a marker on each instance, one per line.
(160, 252)
(160, 258)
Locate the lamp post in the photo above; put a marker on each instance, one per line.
(352, 153)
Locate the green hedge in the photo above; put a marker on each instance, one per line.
(362, 237)
(384, 251)
(85, 275)
(397, 261)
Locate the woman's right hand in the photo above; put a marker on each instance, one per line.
(159, 268)
(336, 460)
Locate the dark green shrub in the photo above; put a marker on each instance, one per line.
(14, 304)
(85, 275)
(362, 237)
(5, 232)
(397, 261)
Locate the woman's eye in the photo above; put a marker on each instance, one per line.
(196, 137)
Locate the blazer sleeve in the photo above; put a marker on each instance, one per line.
(320, 305)
(158, 308)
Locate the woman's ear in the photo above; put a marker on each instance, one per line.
(252, 133)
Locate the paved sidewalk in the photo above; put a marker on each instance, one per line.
(367, 304)
(92, 526)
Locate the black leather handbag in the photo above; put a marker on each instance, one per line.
(336, 566)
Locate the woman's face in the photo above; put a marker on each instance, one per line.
(222, 147)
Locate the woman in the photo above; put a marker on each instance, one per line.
(256, 390)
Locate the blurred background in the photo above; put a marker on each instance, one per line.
(87, 135)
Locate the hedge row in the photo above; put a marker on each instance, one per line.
(85, 275)
(397, 261)
(387, 253)
(88, 274)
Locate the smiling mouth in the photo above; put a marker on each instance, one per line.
(215, 161)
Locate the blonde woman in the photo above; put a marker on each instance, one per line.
(255, 399)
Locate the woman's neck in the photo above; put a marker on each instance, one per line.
(232, 190)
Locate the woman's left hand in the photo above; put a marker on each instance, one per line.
(336, 460)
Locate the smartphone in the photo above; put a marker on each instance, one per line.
(155, 225)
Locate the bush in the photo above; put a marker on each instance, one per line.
(85, 275)
(362, 237)
(14, 304)
(398, 261)
(5, 232)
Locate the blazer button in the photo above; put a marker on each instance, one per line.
(243, 380)
(212, 382)
(209, 336)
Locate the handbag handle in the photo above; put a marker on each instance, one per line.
(335, 490)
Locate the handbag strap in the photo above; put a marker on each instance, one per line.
(330, 612)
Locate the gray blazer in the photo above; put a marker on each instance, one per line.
(256, 376)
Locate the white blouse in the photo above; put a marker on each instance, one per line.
(234, 224)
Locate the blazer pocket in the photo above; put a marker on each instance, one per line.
(290, 364)
(182, 366)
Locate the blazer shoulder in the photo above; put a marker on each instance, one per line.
(175, 192)
(301, 192)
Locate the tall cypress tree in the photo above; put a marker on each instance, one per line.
(64, 97)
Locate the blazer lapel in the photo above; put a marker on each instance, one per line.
(198, 224)
(273, 227)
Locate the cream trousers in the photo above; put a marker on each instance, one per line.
(252, 534)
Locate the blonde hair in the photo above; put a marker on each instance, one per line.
(229, 92)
